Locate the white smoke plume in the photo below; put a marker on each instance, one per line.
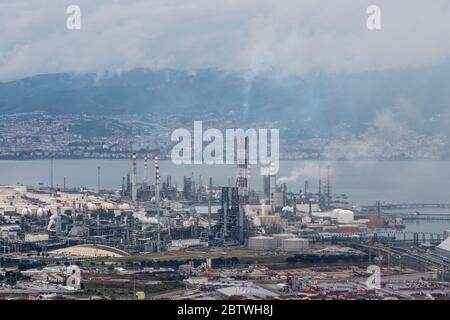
(306, 171)
(386, 138)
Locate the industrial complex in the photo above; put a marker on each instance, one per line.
(153, 239)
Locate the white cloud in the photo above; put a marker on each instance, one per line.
(236, 35)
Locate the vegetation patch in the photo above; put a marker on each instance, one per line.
(90, 129)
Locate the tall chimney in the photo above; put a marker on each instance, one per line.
(134, 178)
(157, 181)
(145, 170)
(273, 183)
(209, 203)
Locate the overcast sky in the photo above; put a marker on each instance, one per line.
(289, 37)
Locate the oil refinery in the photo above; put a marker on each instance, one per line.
(234, 240)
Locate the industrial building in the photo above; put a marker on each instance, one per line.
(188, 222)
(444, 248)
(279, 197)
(340, 215)
(90, 251)
(230, 225)
(187, 243)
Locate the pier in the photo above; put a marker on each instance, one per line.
(407, 206)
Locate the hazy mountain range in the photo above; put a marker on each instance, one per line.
(416, 99)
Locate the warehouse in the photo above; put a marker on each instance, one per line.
(90, 250)
(340, 215)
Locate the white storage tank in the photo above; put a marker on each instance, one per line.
(40, 212)
(107, 206)
(26, 211)
(294, 244)
(343, 216)
(262, 243)
(280, 236)
(124, 207)
(91, 206)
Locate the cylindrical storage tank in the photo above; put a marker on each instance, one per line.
(40, 212)
(91, 206)
(262, 243)
(294, 244)
(280, 236)
(124, 206)
(107, 206)
(343, 216)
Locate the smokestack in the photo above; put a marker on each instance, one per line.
(310, 209)
(98, 180)
(242, 171)
(58, 225)
(320, 186)
(145, 170)
(378, 209)
(249, 175)
(241, 183)
(209, 203)
(328, 188)
(58, 200)
(273, 183)
(200, 185)
(157, 175)
(157, 181)
(134, 178)
(51, 173)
